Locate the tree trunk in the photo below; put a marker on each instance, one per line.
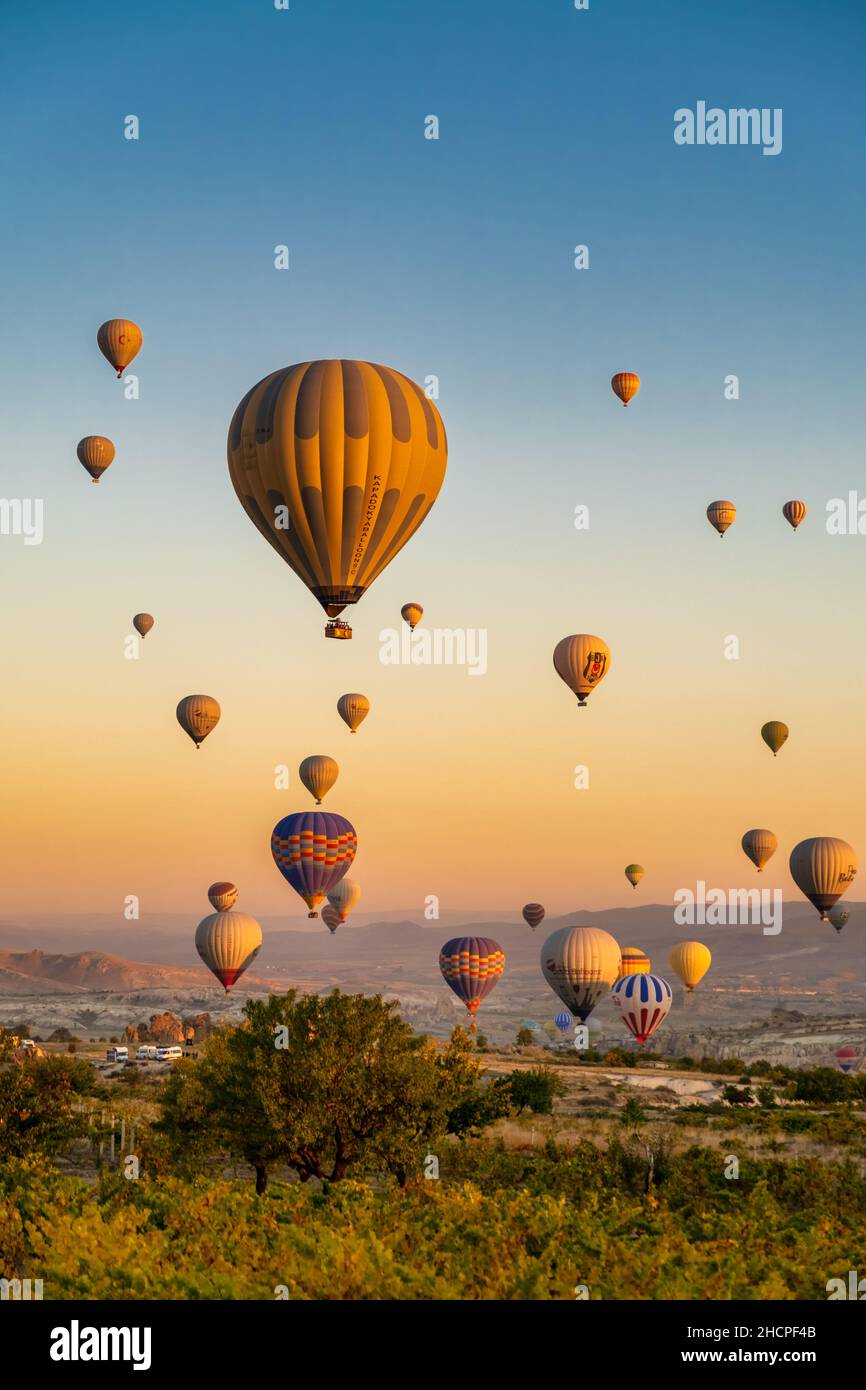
(261, 1178)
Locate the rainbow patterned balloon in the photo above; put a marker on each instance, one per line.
(313, 850)
(471, 966)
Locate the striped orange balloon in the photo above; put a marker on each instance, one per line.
(197, 715)
(95, 453)
(353, 709)
(119, 340)
(625, 385)
(634, 961)
(794, 512)
(721, 515)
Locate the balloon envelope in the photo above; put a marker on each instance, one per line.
(222, 895)
(582, 661)
(119, 340)
(580, 964)
(691, 960)
(337, 463)
(774, 733)
(228, 942)
(318, 774)
(721, 515)
(313, 851)
(847, 1058)
(634, 961)
(142, 622)
(823, 868)
(331, 918)
(533, 915)
(634, 873)
(838, 916)
(345, 897)
(794, 512)
(563, 1021)
(412, 613)
(625, 385)
(197, 715)
(759, 846)
(644, 1002)
(471, 966)
(95, 453)
(353, 709)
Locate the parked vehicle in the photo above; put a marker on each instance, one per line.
(117, 1054)
(168, 1054)
(146, 1053)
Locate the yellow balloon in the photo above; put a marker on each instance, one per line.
(691, 960)
(197, 715)
(582, 661)
(412, 613)
(634, 961)
(634, 873)
(823, 868)
(345, 896)
(228, 942)
(721, 515)
(337, 463)
(95, 453)
(119, 340)
(759, 845)
(353, 709)
(774, 734)
(318, 774)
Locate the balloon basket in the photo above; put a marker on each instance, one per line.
(338, 629)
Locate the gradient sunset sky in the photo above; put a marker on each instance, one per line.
(454, 258)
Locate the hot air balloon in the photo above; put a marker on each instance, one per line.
(838, 916)
(337, 464)
(119, 340)
(625, 385)
(634, 873)
(774, 735)
(759, 846)
(691, 960)
(580, 964)
(563, 1021)
(644, 1001)
(471, 966)
(318, 774)
(634, 961)
(412, 613)
(823, 868)
(197, 715)
(95, 453)
(353, 709)
(313, 851)
(794, 512)
(222, 896)
(721, 515)
(847, 1057)
(533, 915)
(345, 897)
(228, 942)
(331, 918)
(582, 661)
(142, 622)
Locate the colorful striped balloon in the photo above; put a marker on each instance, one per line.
(533, 915)
(644, 1001)
(471, 966)
(313, 850)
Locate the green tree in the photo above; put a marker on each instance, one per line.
(37, 1105)
(535, 1089)
(524, 1037)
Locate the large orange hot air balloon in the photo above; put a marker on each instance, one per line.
(582, 661)
(625, 385)
(228, 942)
(95, 453)
(823, 868)
(197, 715)
(337, 463)
(794, 512)
(353, 709)
(721, 515)
(119, 340)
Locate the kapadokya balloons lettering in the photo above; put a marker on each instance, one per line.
(582, 661)
(471, 966)
(337, 463)
(794, 512)
(228, 942)
(625, 385)
(721, 515)
(345, 897)
(580, 964)
(691, 960)
(634, 961)
(838, 916)
(634, 873)
(643, 1001)
(759, 846)
(95, 454)
(222, 895)
(823, 868)
(331, 918)
(412, 613)
(142, 622)
(563, 1021)
(533, 915)
(198, 715)
(313, 851)
(119, 340)
(774, 734)
(318, 774)
(353, 709)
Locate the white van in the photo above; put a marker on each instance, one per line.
(147, 1053)
(168, 1054)
(117, 1054)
